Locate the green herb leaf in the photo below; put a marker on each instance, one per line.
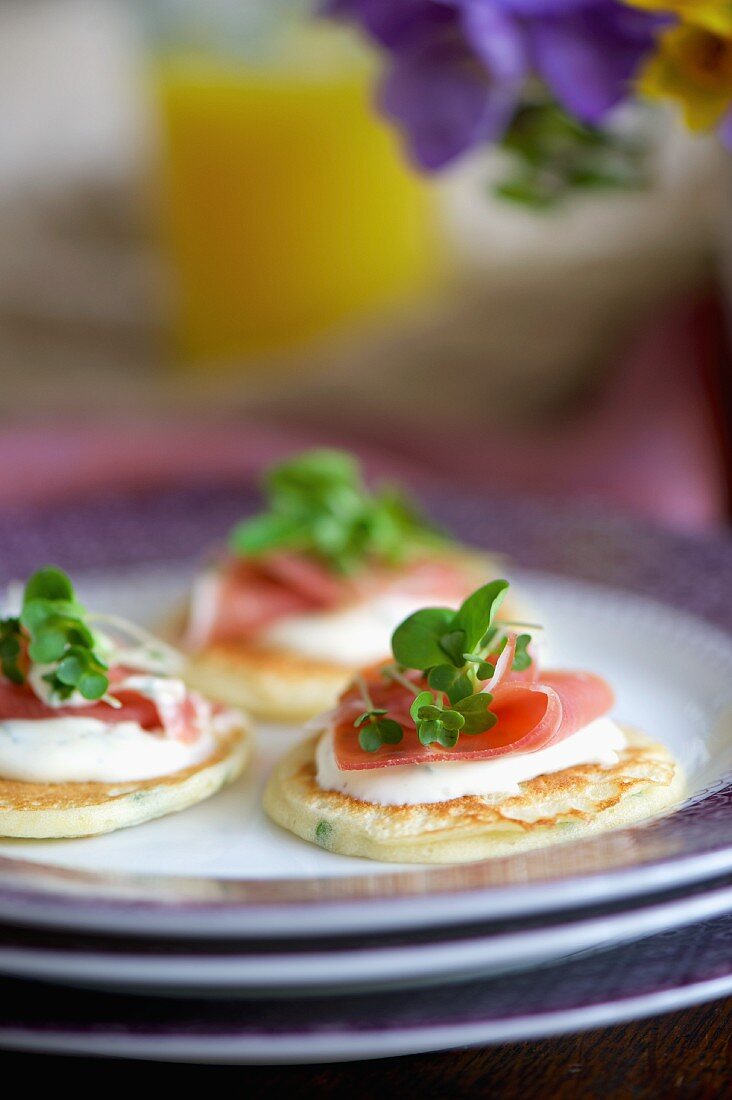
(50, 583)
(267, 532)
(52, 621)
(483, 669)
(417, 642)
(475, 710)
(318, 504)
(378, 732)
(435, 731)
(522, 658)
(367, 715)
(453, 720)
(424, 699)
(47, 647)
(92, 684)
(476, 613)
(455, 684)
(10, 650)
(452, 645)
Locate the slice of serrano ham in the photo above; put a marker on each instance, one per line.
(241, 597)
(182, 722)
(531, 716)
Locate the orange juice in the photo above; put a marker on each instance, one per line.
(289, 207)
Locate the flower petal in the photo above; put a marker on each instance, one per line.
(496, 39)
(589, 58)
(445, 101)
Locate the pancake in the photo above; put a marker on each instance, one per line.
(284, 685)
(52, 810)
(271, 683)
(566, 805)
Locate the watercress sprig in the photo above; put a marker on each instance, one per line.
(375, 729)
(318, 504)
(454, 651)
(10, 649)
(53, 629)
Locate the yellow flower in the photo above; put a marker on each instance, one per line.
(694, 66)
(713, 15)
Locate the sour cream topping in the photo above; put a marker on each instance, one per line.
(355, 635)
(410, 784)
(84, 750)
(78, 749)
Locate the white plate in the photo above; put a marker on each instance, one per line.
(181, 970)
(222, 868)
(661, 974)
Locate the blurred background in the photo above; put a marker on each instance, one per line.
(215, 251)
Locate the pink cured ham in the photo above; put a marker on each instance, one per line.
(531, 715)
(182, 722)
(245, 597)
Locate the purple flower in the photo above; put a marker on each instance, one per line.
(589, 57)
(457, 67)
(445, 102)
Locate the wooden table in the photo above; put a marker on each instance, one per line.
(685, 1054)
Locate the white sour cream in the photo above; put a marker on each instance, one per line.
(354, 635)
(409, 784)
(74, 749)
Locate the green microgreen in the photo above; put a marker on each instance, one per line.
(53, 627)
(11, 649)
(425, 638)
(374, 728)
(456, 652)
(318, 504)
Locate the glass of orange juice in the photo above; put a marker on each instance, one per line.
(288, 209)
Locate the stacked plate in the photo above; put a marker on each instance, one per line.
(216, 936)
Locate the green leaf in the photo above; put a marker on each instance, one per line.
(93, 685)
(430, 712)
(391, 732)
(483, 669)
(429, 731)
(455, 684)
(47, 647)
(265, 532)
(312, 471)
(424, 699)
(369, 738)
(434, 731)
(452, 645)
(475, 711)
(379, 732)
(9, 646)
(37, 613)
(453, 720)
(71, 668)
(522, 658)
(318, 504)
(10, 649)
(477, 612)
(367, 715)
(57, 635)
(416, 642)
(11, 671)
(50, 583)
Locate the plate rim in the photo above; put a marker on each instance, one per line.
(518, 949)
(364, 1045)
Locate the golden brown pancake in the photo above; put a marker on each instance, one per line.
(566, 805)
(81, 809)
